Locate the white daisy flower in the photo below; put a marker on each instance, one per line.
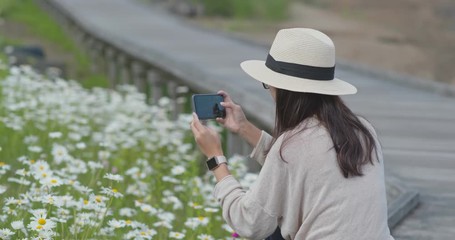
(75, 136)
(211, 210)
(51, 181)
(141, 234)
(17, 225)
(39, 222)
(4, 168)
(111, 192)
(191, 223)
(18, 202)
(148, 209)
(170, 179)
(177, 170)
(177, 204)
(114, 177)
(30, 139)
(3, 189)
(21, 181)
(176, 235)
(227, 228)
(163, 224)
(6, 234)
(81, 145)
(9, 211)
(55, 135)
(22, 172)
(166, 216)
(113, 223)
(36, 149)
(205, 237)
(194, 205)
(60, 154)
(103, 155)
(95, 165)
(127, 212)
(202, 221)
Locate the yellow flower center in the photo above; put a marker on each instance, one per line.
(2, 164)
(39, 227)
(177, 234)
(201, 218)
(128, 222)
(53, 181)
(41, 221)
(32, 161)
(143, 233)
(85, 202)
(114, 190)
(41, 168)
(98, 199)
(44, 175)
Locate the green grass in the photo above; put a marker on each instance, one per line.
(248, 9)
(41, 24)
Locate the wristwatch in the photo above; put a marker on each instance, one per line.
(214, 162)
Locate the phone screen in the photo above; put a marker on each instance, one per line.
(207, 106)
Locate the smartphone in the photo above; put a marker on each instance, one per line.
(207, 106)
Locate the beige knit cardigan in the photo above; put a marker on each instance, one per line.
(306, 195)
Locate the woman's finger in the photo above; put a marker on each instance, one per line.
(194, 129)
(196, 123)
(225, 95)
(220, 120)
(228, 104)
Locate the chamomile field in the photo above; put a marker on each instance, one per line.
(100, 164)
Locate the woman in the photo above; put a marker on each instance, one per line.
(322, 173)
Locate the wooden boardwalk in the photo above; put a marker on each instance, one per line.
(416, 127)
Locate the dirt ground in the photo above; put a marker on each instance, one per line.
(415, 37)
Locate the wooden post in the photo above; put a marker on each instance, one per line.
(98, 52)
(182, 98)
(92, 47)
(111, 67)
(172, 91)
(138, 74)
(156, 86)
(79, 35)
(122, 65)
(234, 144)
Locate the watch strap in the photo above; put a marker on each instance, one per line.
(214, 162)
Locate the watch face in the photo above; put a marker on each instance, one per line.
(211, 163)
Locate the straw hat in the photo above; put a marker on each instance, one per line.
(300, 60)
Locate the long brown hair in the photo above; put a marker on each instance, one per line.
(352, 141)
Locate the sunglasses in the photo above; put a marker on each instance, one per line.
(265, 86)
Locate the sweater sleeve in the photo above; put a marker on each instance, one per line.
(254, 213)
(258, 151)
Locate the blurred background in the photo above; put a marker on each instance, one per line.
(414, 37)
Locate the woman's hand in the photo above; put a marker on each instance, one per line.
(206, 138)
(235, 119)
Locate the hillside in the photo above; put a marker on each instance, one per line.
(414, 37)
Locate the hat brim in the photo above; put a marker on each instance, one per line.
(257, 70)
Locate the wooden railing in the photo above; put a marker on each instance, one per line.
(120, 67)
